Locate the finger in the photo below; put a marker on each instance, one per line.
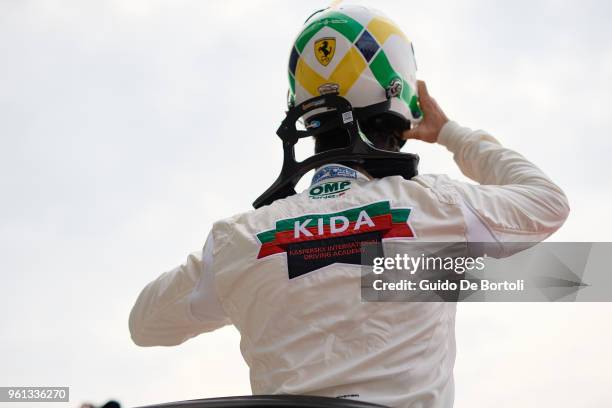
(422, 88)
(413, 133)
(423, 92)
(424, 97)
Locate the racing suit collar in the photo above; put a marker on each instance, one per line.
(336, 171)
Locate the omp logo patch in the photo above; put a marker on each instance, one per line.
(329, 190)
(313, 241)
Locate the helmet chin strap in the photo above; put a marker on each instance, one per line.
(378, 163)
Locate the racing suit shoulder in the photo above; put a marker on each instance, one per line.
(435, 210)
(229, 230)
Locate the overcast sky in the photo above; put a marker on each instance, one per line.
(127, 127)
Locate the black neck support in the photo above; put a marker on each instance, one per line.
(378, 163)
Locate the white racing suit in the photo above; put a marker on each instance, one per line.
(283, 276)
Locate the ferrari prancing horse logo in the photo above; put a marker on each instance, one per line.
(324, 50)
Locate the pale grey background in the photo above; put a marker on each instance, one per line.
(127, 127)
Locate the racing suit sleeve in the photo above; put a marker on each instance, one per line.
(515, 200)
(178, 305)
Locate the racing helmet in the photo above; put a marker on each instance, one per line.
(350, 69)
(361, 55)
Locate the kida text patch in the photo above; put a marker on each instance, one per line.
(313, 241)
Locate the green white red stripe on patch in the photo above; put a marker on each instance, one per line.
(379, 216)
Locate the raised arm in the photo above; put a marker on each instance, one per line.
(515, 200)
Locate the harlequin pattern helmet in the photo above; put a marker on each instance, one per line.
(359, 54)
